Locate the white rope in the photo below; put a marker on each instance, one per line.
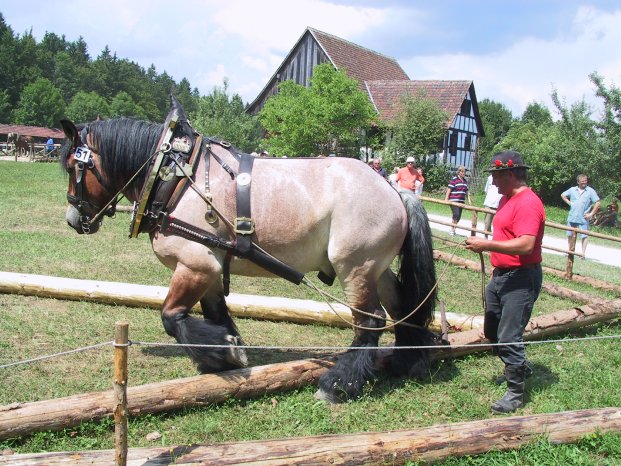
(307, 348)
(380, 348)
(63, 353)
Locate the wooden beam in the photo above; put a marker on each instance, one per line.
(425, 444)
(301, 311)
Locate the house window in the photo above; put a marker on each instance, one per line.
(468, 142)
(466, 105)
(453, 143)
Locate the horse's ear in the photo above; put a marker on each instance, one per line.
(71, 132)
(175, 106)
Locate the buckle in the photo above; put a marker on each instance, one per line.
(244, 226)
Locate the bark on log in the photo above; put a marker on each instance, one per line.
(300, 311)
(24, 418)
(426, 444)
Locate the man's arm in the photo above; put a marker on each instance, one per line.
(593, 211)
(565, 198)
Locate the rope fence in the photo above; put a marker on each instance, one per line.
(300, 348)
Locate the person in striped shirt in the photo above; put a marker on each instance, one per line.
(457, 191)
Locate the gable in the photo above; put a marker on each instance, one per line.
(315, 47)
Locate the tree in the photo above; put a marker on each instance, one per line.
(87, 106)
(418, 129)
(611, 129)
(40, 104)
(538, 114)
(327, 116)
(223, 116)
(496, 120)
(124, 106)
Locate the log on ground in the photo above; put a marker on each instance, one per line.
(426, 444)
(300, 311)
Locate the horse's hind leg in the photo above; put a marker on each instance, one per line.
(356, 368)
(405, 362)
(186, 289)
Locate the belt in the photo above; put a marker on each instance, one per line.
(504, 270)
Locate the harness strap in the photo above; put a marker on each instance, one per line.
(244, 225)
(164, 147)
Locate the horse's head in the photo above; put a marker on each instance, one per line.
(88, 193)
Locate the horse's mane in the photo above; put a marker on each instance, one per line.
(124, 144)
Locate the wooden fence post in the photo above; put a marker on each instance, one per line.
(120, 392)
(569, 271)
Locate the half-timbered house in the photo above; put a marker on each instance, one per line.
(385, 82)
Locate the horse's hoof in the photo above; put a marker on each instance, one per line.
(327, 397)
(236, 354)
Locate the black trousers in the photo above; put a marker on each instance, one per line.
(510, 296)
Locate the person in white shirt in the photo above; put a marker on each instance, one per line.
(492, 198)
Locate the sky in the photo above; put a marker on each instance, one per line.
(515, 51)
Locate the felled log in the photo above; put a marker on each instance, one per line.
(425, 444)
(24, 418)
(20, 419)
(301, 311)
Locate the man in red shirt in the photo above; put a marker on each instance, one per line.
(408, 175)
(516, 278)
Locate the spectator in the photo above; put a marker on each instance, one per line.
(457, 191)
(492, 198)
(407, 176)
(583, 203)
(49, 147)
(516, 278)
(377, 167)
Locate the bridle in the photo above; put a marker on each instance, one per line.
(84, 156)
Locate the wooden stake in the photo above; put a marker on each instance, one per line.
(121, 330)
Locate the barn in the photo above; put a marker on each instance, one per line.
(385, 83)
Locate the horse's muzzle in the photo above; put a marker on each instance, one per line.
(79, 223)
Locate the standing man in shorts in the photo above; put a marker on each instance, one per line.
(457, 191)
(583, 203)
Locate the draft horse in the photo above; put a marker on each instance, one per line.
(192, 195)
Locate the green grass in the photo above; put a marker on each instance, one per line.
(569, 375)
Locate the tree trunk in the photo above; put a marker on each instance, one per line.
(426, 444)
(300, 311)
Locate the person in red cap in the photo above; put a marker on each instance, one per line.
(516, 277)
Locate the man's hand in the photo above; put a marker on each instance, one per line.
(476, 244)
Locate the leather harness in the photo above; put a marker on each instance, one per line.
(168, 178)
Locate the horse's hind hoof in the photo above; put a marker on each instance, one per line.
(327, 397)
(236, 354)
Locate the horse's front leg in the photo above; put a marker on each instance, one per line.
(187, 287)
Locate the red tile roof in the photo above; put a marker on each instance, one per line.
(34, 131)
(358, 62)
(386, 95)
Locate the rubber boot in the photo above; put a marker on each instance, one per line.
(502, 378)
(514, 398)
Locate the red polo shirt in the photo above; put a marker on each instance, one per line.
(522, 214)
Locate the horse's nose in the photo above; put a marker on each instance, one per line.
(73, 219)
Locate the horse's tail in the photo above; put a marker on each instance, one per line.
(417, 282)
